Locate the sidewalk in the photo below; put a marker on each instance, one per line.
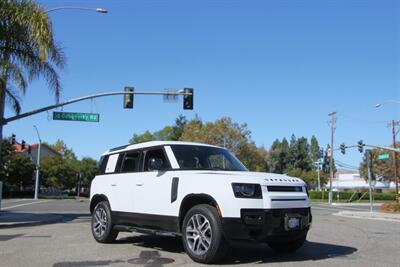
(381, 216)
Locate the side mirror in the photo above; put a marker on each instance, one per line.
(155, 164)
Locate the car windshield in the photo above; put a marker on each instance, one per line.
(191, 157)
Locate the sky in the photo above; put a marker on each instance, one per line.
(279, 66)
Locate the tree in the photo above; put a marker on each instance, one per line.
(309, 177)
(145, 137)
(278, 156)
(58, 172)
(63, 149)
(168, 133)
(27, 51)
(315, 151)
(88, 169)
(179, 126)
(17, 170)
(226, 133)
(382, 169)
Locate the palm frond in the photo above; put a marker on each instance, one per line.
(27, 46)
(13, 99)
(17, 76)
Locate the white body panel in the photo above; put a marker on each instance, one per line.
(150, 192)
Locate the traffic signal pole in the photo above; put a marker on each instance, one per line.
(332, 124)
(36, 111)
(4, 121)
(396, 178)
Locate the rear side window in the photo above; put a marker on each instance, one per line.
(102, 164)
(130, 162)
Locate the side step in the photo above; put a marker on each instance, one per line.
(125, 228)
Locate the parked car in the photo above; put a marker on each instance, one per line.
(198, 192)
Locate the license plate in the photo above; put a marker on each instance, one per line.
(293, 223)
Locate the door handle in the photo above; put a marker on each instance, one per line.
(113, 184)
(139, 184)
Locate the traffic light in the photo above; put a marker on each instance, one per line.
(343, 148)
(13, 139)
(360, 145)
(128, 98)
(22, 145)
(188, 98)
(29, 149)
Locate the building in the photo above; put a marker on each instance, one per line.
(348, 180)
(45, 151)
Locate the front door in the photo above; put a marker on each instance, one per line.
(154, 186)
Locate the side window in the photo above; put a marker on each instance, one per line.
(111, 163)
(131, 162)
(157, 154)
(102, 164)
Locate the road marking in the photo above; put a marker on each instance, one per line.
(25, 204)
(8, 201)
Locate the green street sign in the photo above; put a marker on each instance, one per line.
(383, 156)
(76, 116)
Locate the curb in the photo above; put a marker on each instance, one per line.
(369, 215)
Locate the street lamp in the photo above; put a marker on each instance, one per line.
(388, 101)
(98, 9)
(37, 164)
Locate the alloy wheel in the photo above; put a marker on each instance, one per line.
(198, 234)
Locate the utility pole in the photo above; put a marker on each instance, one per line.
(332, 124)
(319, 177)
(396, 178)
(369, 163)
(37, 184)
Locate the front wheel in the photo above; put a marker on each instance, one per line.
(202, 234)
(289, 246)
(102, 224)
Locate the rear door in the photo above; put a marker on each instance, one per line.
(125, 180)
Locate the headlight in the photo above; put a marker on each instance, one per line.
(247, 190)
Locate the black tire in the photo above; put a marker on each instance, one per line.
(287, 247)
(102, 226)
(212, 236)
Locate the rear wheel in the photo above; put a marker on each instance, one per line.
(102, 226)
(202, 234)
(290, 246)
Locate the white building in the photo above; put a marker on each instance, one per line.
(351, 180)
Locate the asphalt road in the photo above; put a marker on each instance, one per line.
(57, 233)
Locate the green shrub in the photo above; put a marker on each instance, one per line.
(343, 196)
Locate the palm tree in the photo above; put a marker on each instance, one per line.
(27, 51)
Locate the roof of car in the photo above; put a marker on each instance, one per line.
(152, 144)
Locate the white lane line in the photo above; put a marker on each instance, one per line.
(9, 201)
(25, 204)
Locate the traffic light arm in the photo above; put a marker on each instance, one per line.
(36, 111)
(373, 146)
(385, 147)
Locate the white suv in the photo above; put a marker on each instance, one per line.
(199, 192)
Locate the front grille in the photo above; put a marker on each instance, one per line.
(279, 188)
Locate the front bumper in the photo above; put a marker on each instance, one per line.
(266, 225)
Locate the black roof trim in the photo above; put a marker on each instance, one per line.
(118, 148)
